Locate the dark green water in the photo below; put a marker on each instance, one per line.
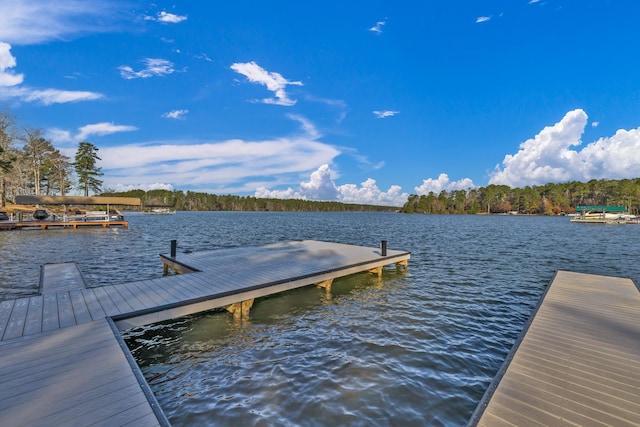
(415, 348)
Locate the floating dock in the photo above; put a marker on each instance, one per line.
(577, 361)
(63, 361)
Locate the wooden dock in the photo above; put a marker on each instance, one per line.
(577, 361)
(62, 360)
(46, 225)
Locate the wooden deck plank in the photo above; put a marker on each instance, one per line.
(105, 301)
(577, 361)
(65, 309)
(6, 307)
(95, 386)
(17, 320)
(80, 308)
(95, 309)
(50, 319)
(122, 305)
(34, 316)
(128, 296)
(140, 295)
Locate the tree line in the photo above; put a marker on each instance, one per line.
(548, 199)
(197, 201)
(30, 164)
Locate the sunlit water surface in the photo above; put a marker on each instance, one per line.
(415, 348)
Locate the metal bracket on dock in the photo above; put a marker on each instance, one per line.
(240, 309)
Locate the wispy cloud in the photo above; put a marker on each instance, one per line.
(167, 18)
(48, 96)
(385, 113)
(100, 129)
(175, 114)
(378, 27)
(549, 156)
(227, 166)
(154, 67)
(27, 22)
(273, 82)
(11, 85)
(481, 19)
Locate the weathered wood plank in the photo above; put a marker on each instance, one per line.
(77, 376)
(6, 307)
(95, 309)
(50, 319)
(122, 305)
(15, 326)
(65, 310)
(105, 301)
(34, 316)
(79, 304)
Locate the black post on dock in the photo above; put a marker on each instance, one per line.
(383, 247)
(174, 245)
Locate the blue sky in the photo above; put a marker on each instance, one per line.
(362, 101)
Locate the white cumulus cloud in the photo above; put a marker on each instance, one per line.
(274, 82)
(443, 183)
(167, 18)
(154, 67)
(551, 157)
(321, 186)
(175, 114)
(7, 61)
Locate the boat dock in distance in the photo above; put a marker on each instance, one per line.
(64, 362)
(604, 215)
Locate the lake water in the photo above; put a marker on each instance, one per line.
(414, 348)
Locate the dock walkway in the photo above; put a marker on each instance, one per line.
(62, 360)
(576, 363)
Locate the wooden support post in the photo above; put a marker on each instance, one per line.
(240, 309)
(326, 285)
(402, 264)
(377, 270)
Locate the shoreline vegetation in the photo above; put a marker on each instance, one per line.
(549, 199)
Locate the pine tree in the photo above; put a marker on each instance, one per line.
(87, 168)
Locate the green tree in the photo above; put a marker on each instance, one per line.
(37, 151)
(7, 156)
(86, 165)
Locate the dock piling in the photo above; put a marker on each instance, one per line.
(383, 247)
